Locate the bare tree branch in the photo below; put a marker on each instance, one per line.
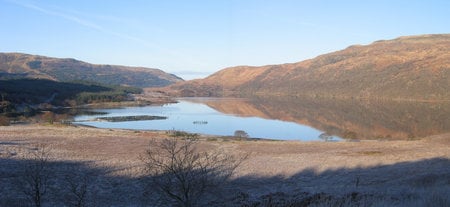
(36, 173)
(182, 174)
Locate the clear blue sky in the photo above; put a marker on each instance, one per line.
(194, 38)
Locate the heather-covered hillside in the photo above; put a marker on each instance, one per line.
(413, 67)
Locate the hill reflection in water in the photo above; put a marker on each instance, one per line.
(350, 119)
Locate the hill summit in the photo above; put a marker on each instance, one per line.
(411, 67)
(19, 65)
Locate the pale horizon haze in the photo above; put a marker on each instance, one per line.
(195, 38)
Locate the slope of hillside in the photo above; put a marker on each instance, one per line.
(17, 65)
(221, 83)
(413, 67)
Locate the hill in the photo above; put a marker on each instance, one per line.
(18, 65)
(412, 67)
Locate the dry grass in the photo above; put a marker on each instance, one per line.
(381, 171)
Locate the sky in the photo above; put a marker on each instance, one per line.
(195, 38)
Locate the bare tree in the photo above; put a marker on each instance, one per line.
(36, 173)
(77, 183)
(181, 174)
(241, 134)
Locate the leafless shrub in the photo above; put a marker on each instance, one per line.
(36, 173)
(77, 187)
(241, 134)
(181, 175)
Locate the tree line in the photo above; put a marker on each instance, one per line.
(18, 94)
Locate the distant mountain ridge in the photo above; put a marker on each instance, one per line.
(19, 65)
(411, 67)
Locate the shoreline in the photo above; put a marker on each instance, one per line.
(286, 168)
(117, 140)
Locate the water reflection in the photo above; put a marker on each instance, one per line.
(350, 119)
(193, 117)
(289, 118)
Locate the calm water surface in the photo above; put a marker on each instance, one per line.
(291, 118)
(195, 116)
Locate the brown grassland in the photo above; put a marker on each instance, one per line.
(276, 173)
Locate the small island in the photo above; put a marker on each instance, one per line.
(130, 118)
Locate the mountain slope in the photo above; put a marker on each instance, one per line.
(413, 67)
(17, 65)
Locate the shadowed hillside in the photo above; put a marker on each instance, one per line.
(17, 65)
(19, 96)
(413, 67)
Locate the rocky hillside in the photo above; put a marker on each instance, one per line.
(412, 67)
(17, 65)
